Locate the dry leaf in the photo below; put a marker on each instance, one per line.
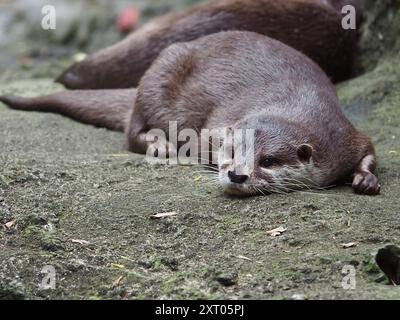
(82, 242)
(120, 155)
(277, 232)
(117, 282)
(163, 215)
(10, 224)
(243, 258)
(349, 245)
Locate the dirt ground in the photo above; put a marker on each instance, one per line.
(74, 200)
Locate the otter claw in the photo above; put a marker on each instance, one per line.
(366, 183)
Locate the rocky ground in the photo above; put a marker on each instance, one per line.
(71, 198)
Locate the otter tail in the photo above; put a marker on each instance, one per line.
(101, 108)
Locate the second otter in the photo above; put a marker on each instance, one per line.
(313, 27)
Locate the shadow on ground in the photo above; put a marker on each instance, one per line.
(73, 200)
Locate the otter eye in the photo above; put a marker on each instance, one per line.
(268, 162)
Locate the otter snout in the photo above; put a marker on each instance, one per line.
(237, 178)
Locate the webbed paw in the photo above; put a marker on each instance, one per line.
(366, 183)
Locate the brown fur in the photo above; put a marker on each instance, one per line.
(102, 108)
(310, 26)
(241, 80)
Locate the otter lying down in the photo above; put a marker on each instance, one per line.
(235, 80)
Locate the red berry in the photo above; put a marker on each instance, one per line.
(128, 19)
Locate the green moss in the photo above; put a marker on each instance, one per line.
(46, 240)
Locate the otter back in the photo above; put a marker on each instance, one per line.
(313, 27)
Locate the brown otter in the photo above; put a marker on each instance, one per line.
(240, 80)
(313, 27)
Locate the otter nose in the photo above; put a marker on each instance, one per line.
(235, 178)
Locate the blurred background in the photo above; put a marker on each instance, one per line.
(83, 26)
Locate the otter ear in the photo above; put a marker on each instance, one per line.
(305, 152)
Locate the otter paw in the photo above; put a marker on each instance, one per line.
(366, 183)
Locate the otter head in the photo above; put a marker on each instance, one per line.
(279, 158)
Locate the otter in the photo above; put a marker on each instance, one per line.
(236, 80)
(313, 27)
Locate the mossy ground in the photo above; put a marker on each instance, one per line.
(61, 181)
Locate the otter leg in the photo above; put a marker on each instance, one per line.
(365, 182)
(152, 145)
(140, 140)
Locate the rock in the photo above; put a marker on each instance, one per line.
(388, 259)
(227, 279)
